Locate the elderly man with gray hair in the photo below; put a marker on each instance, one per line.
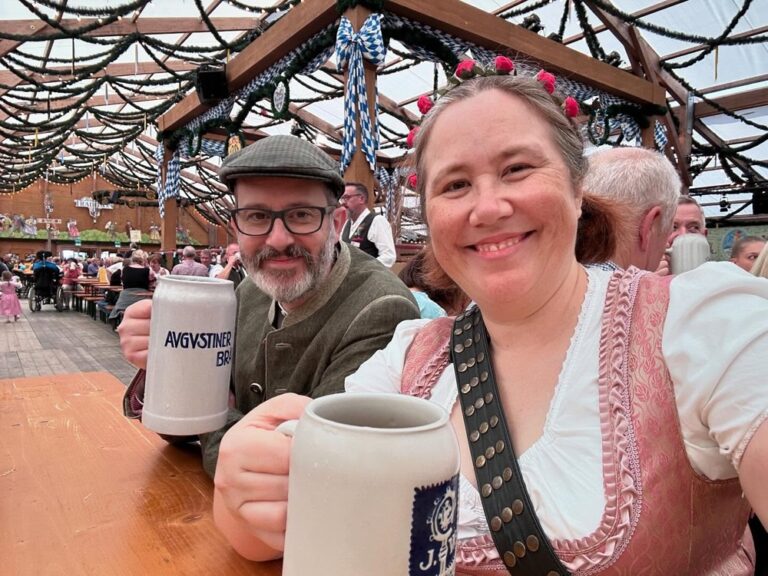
(188, 265)
(646, 187)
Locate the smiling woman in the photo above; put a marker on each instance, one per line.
(585, 384)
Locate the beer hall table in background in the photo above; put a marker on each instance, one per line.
(83, 490)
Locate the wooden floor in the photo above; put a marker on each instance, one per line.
(51, 342)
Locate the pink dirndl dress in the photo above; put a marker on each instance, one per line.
(662, 517)
(9, 303)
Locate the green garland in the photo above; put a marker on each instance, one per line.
(598, 123)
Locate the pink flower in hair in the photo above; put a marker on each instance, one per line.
(412, 136)
(503, 65)
(425, 103)
(465, 69)
(412, 181)
(571, 107)
(547, 79)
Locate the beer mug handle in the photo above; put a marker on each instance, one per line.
(287, 428)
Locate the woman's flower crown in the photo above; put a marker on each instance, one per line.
(467, 69)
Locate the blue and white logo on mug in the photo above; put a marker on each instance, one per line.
(433, 529)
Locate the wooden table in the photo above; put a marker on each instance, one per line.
(83, 490)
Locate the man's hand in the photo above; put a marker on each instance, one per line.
(663, 269)
(251, 483)
(134, 333)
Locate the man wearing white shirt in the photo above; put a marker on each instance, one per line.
(365, 230)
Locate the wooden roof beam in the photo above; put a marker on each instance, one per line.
(741, 101)
(93, 102)
(33, 28)
(114, 69)
(735, 84)
(700, 47)
(126, 27)
(301, 23)
(489, 31)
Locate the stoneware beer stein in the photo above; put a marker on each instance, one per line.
(688, 252)
(373, 488)
(191, 337)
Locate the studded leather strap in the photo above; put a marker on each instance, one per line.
(515, 528)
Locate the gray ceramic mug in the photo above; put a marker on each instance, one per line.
(373, 488)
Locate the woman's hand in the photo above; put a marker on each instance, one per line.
(251, 483)
(134, 333)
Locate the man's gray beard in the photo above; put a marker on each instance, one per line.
(282, 286)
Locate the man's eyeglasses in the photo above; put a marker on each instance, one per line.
(300, 220)
(348, 196)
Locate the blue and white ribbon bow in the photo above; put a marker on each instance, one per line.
(351, 48)
(172, 178)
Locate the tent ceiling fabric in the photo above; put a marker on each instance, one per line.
(82, 84)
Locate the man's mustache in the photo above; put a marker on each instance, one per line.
(292, 251)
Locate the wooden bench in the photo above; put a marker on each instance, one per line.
(90, 305)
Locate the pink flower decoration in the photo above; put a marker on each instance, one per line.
(425, 103)
(412, 136)
(503, 65)
(412, 181)
(547, 79)
(571, 107)
(465, 69)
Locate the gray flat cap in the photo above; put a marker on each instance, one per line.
(283, 155)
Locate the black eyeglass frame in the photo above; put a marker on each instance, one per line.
(344, 198)
(275, 214)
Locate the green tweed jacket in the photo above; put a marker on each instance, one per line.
(318, 345)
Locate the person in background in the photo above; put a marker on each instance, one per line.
(450, 300)
(115, 264)
(689, 219)
(645, 186)
(364, 229)
(10, 307)
(188, 265)
(233, 268)
(110, 296)
(206, 259)
(760, 267)
(136, 280)
(746, 250)
(156, 265)
(592, 407)
(412, 275)
(71, 272)
(93, 267)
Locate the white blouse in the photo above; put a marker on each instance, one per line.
(715, 343)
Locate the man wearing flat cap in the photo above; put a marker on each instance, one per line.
(313, 308)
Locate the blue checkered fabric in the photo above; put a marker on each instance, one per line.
(213, 147)
(351, 48)
(457, 46)
(172, 182)
(389, 181)
(159, 190)
(660, 135)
